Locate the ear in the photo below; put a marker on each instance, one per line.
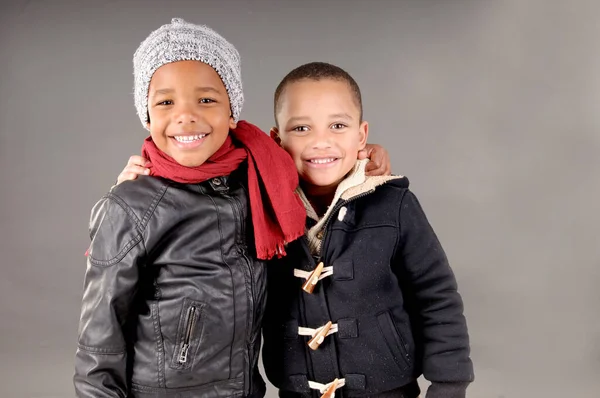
(363, 134)
(232, 123)
(274, 133)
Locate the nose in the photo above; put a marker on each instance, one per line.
(185, 114)
(321, 139)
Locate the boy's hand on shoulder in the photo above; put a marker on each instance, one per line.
(136, 166)
(380, 164)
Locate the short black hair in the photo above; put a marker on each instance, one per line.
(317, 71)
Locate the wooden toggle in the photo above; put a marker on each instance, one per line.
(313, 279)
(319, 337)
(330, 391)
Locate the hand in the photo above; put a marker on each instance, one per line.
(380, 164)
(136, 166)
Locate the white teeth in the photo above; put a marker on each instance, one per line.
(189, 138)
(322, 161)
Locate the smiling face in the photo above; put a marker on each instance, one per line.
(320, 127)
(190, 115)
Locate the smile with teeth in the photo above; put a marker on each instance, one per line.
(323, 161)
(189, 138)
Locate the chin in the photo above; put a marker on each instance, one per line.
(189, 162)
(324, 182)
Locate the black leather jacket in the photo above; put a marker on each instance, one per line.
(173, 296)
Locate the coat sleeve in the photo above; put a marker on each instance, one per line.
(440, 325)
(110, 284)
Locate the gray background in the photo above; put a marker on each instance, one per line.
(491, 108)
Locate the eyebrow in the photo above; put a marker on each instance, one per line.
(298, 119)
(341, 116)
(203, 89)
(304, 119)
(207, 89)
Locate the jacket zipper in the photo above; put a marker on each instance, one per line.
(337, 207)
(250, 320)
(189, 327)
(325, 240)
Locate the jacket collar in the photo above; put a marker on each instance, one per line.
(356, 183)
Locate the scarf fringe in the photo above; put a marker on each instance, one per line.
(268, 253)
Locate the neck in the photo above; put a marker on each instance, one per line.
(319, 197)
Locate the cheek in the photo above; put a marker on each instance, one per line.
(159, 138)
(220, 119)
(350, 146)
(156, 126)
(158, 129)
(294, 148)
(221, 115)
(158, 119)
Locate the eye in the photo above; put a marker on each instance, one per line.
(338, 126)
(207, 100)
(165, 102)
(300, 129)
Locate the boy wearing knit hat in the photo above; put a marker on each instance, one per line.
(174, 289)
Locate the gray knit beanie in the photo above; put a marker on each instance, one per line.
(183, 41)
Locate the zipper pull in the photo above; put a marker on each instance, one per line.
(184, 353)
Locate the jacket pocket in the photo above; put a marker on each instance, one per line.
(394, 340)
(189, 333)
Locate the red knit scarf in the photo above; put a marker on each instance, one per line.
(277, 212)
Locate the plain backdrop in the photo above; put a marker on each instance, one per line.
(491, 108)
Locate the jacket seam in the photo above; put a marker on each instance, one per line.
(132, 242)
(118, 200)
(230, 274)
(418, 205)
(153, 205)
(150, 212)
(159, 346)
(399, 227)
(144, 388)
(140, 226)
(366, 226)
(103, 351)
(119, 256)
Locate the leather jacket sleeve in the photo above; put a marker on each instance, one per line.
(432, 289)
(110, 284)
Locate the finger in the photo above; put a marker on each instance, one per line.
(125, 176)
(388, 165)
(362, 154)
(378, 156)
(377, 164)
(136, 160)
(382, 169)
(387, 169)
(382, 159)
(371, 166)
(369, 149)
(137, 170)
(371, 169)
